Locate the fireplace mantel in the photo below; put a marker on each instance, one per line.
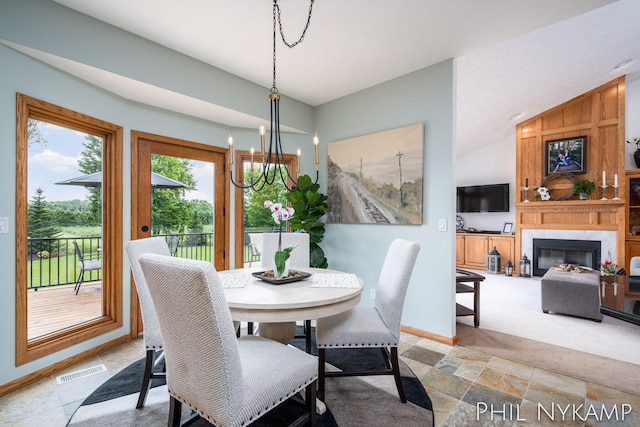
(588, 215)
(572, 215)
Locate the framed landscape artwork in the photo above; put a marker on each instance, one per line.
(566, 155)
(377, 178)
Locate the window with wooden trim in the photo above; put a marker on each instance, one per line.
(68, 228)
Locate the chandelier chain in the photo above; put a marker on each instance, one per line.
(276, 17)
(273, 158)
(304, 31)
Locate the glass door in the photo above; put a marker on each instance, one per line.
(179, 193)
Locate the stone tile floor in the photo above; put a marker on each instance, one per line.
(471, 388)
(467, 388)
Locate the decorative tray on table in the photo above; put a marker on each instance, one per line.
(294, 276)
(572, 268)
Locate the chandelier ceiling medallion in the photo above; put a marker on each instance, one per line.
(273, 157)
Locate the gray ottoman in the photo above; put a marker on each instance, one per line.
(576, 294)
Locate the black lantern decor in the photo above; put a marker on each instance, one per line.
(508, 268)
(525, 266)
(494, 260)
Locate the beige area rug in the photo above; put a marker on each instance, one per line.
(588, 367)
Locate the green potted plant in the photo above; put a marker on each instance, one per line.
(310, 206)
(584, 187)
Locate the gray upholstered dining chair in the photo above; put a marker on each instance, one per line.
(372, 327)
(255, 244)
(227, 381)
(151, 333)
(299, 258)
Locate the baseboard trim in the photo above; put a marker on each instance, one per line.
(428, 335)
(58, 366)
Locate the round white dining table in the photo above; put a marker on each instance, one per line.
(278, 306)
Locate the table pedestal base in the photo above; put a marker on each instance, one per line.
(282, 332)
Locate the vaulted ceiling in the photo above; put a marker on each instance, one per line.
(513, 58)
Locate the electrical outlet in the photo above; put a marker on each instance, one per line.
(373, 294)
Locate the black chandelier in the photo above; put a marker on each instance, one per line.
(273, 157)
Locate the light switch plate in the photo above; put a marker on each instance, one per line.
(4, 225)
(442, 224)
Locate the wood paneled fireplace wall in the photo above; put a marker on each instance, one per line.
(598, 115)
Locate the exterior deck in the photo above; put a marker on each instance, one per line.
(55, 308)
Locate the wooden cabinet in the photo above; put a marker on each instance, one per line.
(506, 246)
(632, 248)
(472, 249)
(633, 204)
(632, 240)
(460, 259)
(476, 250)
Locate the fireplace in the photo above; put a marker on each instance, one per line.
(550, 252)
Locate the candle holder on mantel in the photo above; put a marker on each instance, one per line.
(526, 194)
(615, 192)
(604, 191)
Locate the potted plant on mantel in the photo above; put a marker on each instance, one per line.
(584, 187)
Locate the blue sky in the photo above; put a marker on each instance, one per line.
(57, 160)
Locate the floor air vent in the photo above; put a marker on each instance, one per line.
(80, 374)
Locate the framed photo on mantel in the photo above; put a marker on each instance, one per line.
(507, 228)
(567, 155)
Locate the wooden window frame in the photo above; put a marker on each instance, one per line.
(27, 349)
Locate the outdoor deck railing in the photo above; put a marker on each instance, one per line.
(54, 262)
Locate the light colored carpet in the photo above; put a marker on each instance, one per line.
(511, 305)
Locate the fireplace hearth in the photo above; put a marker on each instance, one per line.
(550, 252)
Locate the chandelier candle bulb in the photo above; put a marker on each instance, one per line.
(262, 141)
(299, 159)
(230, 141)
(252, 151)
(315, 147)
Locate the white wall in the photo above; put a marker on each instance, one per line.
(426, 96)
(493, 164)
(43, 25)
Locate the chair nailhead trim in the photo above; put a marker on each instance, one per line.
(254, 416)
(358, 345)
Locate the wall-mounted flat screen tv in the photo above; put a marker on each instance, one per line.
(483, 198)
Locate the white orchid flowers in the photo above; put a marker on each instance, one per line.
(280, 215)
(278, 212)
